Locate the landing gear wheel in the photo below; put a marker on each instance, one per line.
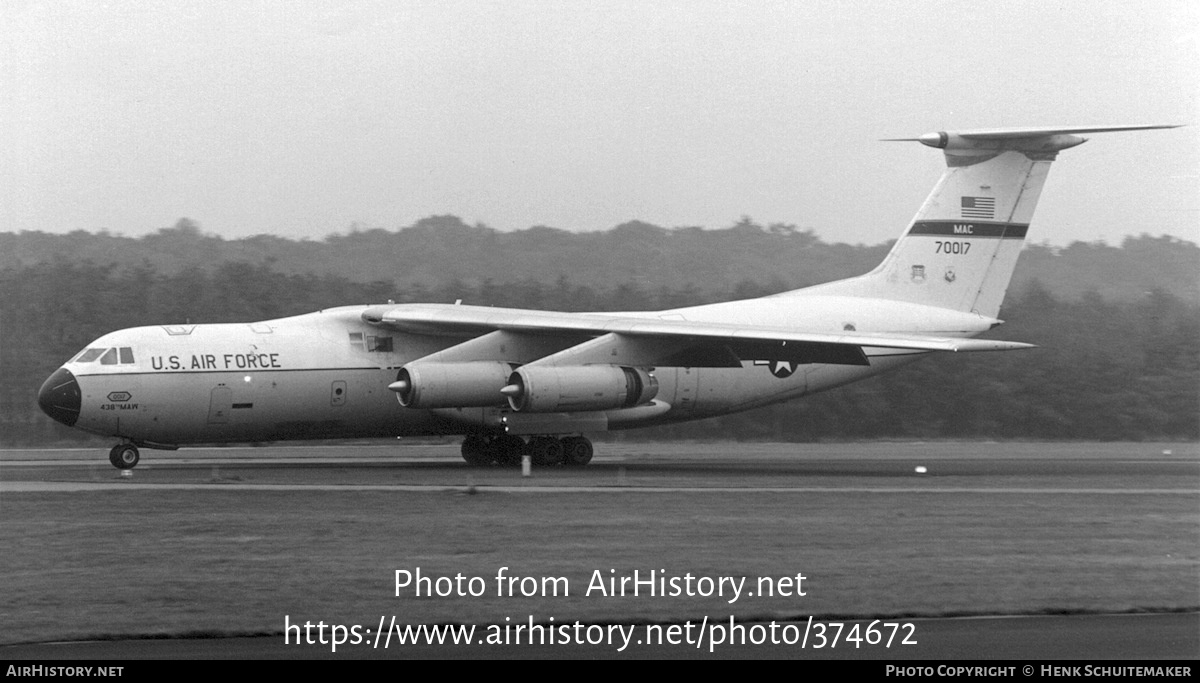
(476, 452)
(124, 456)
(546, 450)
(577, 450)
(508, 449)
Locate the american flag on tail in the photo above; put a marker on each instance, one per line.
(978, 207)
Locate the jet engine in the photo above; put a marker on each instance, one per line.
(451, 385)
(539, 389)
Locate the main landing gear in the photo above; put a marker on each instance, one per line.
(124, 456)
(505, 449)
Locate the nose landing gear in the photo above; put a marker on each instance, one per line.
(124, 456)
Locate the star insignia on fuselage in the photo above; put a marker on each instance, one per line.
(780, 368)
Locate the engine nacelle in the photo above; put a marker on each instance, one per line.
(451, 385)
(548, 389)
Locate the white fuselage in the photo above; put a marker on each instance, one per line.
(326, 374)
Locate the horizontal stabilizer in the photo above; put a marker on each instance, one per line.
(1010, 133)
(1043, 140)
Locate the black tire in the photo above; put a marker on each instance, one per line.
(476, 451)
(509, 449)
(124, 456)
(577, 451)
(546, 451)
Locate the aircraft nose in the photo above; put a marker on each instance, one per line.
(59, 397)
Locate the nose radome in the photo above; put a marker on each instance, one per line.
(59, 397)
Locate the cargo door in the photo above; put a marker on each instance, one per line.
(687, 390)
(220, 405)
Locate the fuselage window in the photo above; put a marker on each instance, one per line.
(109, 357)
(356, 340)
(126, 355)
(89, 355)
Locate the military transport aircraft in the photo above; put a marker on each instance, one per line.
(518, 382)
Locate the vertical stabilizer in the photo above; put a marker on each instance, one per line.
(960, 250)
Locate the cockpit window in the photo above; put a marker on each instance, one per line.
(89, 355)
(122, 355)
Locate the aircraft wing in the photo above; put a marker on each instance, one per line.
(637, 340)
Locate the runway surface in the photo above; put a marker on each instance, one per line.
(1162, 478)
(1022, 640)
(890, 467)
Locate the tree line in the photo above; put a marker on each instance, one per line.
(1109, 369)
(444, 248)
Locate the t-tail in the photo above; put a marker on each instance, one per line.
(960, 250)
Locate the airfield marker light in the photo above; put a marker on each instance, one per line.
(525, 462)
(246, 378)
(921, 469)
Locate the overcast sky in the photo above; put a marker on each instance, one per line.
(301, 119)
